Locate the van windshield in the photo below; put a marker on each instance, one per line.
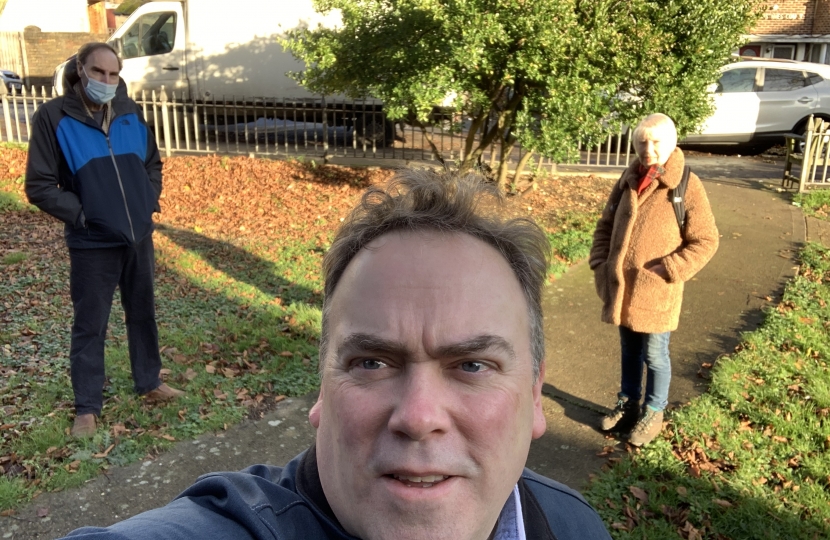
(151, 34)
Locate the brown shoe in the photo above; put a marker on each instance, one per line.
(647, 428)
(84, 426)
(162, 393)
(622, 418)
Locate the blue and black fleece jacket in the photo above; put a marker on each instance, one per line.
(103, 186)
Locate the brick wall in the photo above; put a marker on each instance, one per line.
(794, 17)
(45, 50)
(823, 18)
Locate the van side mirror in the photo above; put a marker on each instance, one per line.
(714, 87)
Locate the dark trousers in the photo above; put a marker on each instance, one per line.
(93, 276)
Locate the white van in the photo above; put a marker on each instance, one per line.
(220, 51)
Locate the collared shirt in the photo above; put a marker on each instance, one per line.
(511, 524)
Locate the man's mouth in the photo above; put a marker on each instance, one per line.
(419, 481)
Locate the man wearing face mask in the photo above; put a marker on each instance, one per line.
(94, 165)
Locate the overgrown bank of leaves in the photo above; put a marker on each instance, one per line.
(750, 459)
(238, 247)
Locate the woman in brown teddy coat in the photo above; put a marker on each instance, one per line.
(641, 258)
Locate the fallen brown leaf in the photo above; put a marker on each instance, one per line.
(639, 493)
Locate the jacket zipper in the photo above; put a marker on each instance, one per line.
(121, 185)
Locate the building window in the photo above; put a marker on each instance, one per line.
(786, 52)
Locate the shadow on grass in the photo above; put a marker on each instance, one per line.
(242, 266)
(676, 501)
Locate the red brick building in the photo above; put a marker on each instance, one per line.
(792, 29)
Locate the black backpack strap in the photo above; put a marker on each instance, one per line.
(678, 196)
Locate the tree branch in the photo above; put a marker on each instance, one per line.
(432, 145)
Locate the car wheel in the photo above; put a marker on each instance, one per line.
(801, 130)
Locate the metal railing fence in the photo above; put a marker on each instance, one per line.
(322, 128)
(812, 152)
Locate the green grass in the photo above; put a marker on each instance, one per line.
(814, 203)
(14, 146)
(14, 258)
(751, 458)
(571, 240)
(10, 201)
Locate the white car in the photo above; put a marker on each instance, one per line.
(758, 101)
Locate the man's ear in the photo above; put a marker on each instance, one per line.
(539, 421)
(316, 410)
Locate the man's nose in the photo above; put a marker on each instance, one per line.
(421, 408)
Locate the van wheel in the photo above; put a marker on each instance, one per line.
(374, 128)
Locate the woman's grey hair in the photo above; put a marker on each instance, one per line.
(444, 201)
(656, 121)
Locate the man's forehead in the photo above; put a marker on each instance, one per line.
(447, 292)
(103, 59)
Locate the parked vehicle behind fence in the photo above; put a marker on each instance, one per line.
(11, 80)
(758, 101)
(213, 52)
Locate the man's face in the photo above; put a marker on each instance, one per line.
(101, 65)
(655, 145)
(428, 404)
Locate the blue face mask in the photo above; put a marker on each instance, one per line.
(98, 92)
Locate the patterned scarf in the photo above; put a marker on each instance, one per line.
(647, 175)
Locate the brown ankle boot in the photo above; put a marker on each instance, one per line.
(622, 418)
(647, 428)
(84, 426)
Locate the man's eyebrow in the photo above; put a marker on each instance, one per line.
(478, 344)
(369, 343)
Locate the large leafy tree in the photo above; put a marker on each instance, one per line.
(545, 74)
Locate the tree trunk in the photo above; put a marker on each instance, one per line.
(432, 145)
(506, 148)
(520, 167)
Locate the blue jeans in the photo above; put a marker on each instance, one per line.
(93, 277)
(653, 351)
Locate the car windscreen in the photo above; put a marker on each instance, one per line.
(737, 80)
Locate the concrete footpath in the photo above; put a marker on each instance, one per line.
(761, 232)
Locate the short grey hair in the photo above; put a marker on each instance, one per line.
(430, 200)
(656, 121)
